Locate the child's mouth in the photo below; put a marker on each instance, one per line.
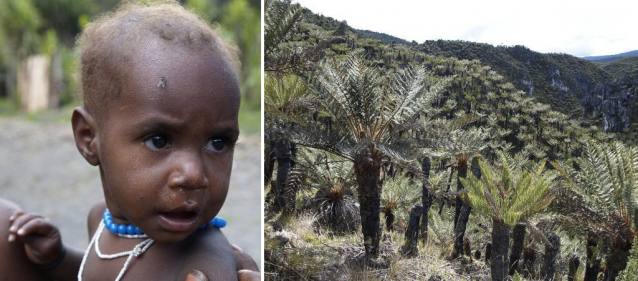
(179, 220)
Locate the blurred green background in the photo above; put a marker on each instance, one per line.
(37, 43)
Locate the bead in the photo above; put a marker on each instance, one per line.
(108, 224)
(121, 229)
(113, 228)
(130, 229)
(138, 231)
(218, 222)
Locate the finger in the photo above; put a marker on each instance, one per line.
(21, 220)
(12, 229)
(237, 248)
(196, 275)
(15, 215)
(35, 226)
(248, 275)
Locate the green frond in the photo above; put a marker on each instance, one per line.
(280, 20)
(401, 191)
(280, 91)
(507, 194)
(606, 182)
(444, 138)
(324, 169)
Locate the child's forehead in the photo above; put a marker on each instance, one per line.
(158, 67)
(178, 82)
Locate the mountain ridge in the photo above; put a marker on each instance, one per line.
(610, 58)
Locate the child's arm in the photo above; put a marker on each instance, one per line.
(43, 245)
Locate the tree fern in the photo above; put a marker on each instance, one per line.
(602, 198)
(509, 195)
(398, 194)
(506, 195)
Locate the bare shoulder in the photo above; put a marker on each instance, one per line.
(210, 253)
(95, 216)
(7, 208)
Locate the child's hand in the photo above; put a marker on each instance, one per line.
(249, 270)
(42, 240)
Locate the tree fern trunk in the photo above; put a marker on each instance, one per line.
(410, 248)
(574, 263)
(459, 231)
(449, 183)
(529, 261)
(269, 165)
(465, 210)
(283, 153)
(500, 250)
(518, 237)
(389, 220)
(593, 263)
(551, 257)
(488, 252)
(618, 257)
(426, 199)
(367, 166)
(467, 247)
(459, 186)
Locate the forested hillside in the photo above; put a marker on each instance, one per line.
(573, 86)
(624, 66)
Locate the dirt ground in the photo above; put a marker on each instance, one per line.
(42, 171)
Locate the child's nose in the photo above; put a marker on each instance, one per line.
(189, 171)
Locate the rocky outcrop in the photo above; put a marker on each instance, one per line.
(614, 102)
(617, 112)
(584, 84)
(526, 80)
(557, 82)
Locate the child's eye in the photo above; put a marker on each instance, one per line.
(216, 145)
(157, 142)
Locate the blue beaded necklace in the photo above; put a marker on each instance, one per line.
(130, 229)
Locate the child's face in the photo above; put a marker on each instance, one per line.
(166, 153)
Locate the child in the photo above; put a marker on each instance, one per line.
(161, 98)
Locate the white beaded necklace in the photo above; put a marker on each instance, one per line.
(138, 250)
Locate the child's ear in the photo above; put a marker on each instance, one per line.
(85, 134)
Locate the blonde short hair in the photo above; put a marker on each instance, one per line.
(107, 44)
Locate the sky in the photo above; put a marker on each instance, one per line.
(579, 28)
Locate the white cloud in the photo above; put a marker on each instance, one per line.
(580, 28)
